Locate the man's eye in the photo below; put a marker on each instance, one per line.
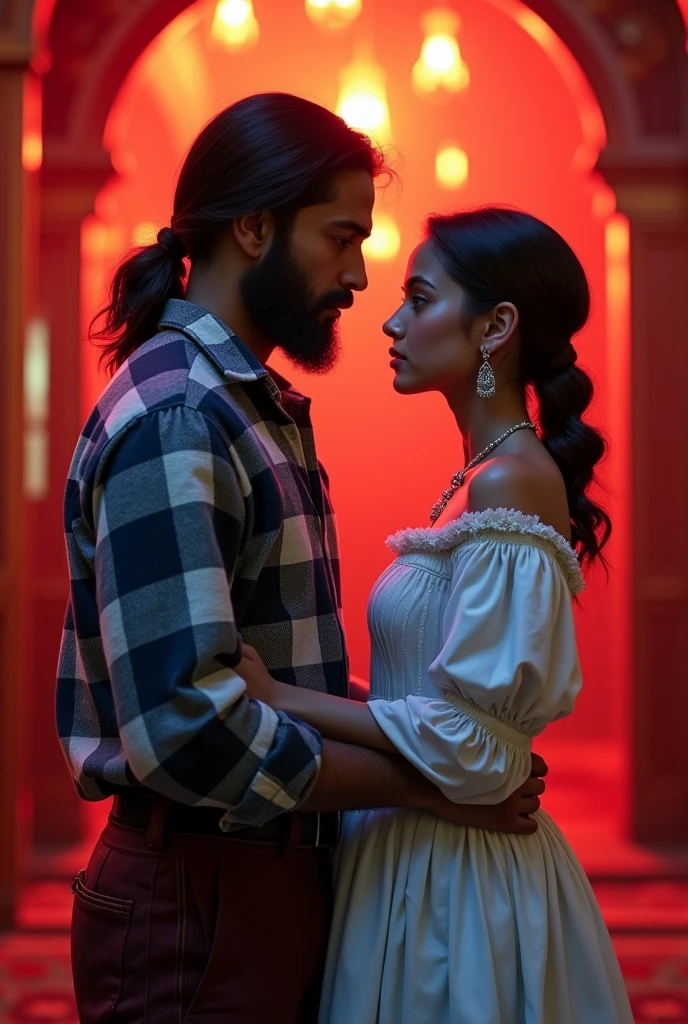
(343, 243)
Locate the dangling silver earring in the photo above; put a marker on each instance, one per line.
(487, 384)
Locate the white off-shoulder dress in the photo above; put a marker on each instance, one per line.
(473, 654)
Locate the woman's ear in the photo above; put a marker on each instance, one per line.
(499, 327)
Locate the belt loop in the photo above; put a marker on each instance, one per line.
(156, 825)
(292, 834)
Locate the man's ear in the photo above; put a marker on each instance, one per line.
(254, 232)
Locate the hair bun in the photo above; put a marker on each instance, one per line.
(171, 241)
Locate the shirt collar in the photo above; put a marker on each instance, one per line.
(219, 343)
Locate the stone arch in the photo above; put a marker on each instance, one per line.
(632, 55)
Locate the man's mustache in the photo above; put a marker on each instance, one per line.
(338, 300)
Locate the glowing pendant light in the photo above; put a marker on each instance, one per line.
(440, 65)
(451, 167)
(385, 240)
(363, 99)
(234, 24)
(333, 14)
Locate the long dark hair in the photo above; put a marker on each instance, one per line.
(502, 255)
(270, 151)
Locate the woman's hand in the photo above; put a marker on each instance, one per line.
(259, 683)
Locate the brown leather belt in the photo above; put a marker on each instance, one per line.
(137, 808)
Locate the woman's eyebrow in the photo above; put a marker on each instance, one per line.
(418, 279)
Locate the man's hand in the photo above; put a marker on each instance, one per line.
(512, 815)
(538, 766)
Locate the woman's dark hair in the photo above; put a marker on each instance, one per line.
(270, 151)
(501, 255)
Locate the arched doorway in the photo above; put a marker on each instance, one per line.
(532, 144)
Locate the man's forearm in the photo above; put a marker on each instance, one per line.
(355, 778)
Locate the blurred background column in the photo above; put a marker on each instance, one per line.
(68, 190)
(654, 197)
(15, 52)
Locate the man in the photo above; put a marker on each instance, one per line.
(197, 515)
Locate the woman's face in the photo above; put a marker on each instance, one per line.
(431, 350)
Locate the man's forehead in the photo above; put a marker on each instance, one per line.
(353, 199)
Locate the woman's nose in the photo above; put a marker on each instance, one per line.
(392, 328)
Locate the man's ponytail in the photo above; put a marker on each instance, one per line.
(142, 284)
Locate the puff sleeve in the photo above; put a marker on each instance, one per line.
(507, 666)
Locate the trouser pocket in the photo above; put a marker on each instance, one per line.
(100, 925)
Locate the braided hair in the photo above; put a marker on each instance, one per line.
(501, 255)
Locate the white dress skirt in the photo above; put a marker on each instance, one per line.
(473, 654)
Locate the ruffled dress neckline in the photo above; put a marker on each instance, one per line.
(492, 524)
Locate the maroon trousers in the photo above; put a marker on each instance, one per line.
(199, 930)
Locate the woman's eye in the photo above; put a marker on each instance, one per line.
(417, 301)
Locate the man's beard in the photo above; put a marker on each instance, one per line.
(281, 304)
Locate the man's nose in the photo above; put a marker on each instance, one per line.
(355, 276)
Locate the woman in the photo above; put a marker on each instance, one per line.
(473, 654)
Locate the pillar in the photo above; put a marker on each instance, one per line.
(655, 200)
(68, 193)
(13, 682)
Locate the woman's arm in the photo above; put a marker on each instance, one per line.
(335, 718)
(351, 722)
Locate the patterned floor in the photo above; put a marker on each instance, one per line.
(656, 972)
(643, 896)
(35, 980)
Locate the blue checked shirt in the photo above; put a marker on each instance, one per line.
(195, 510)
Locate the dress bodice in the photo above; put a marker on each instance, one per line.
(501, 556)
(405, 623)
(473, 648)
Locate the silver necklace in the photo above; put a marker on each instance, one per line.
(458, 478)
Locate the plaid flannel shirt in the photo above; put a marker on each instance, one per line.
(196, 510)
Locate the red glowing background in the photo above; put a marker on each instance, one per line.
(531, 129)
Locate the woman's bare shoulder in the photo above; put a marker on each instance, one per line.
(532, 486)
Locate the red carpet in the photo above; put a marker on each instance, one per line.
(34, 961)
